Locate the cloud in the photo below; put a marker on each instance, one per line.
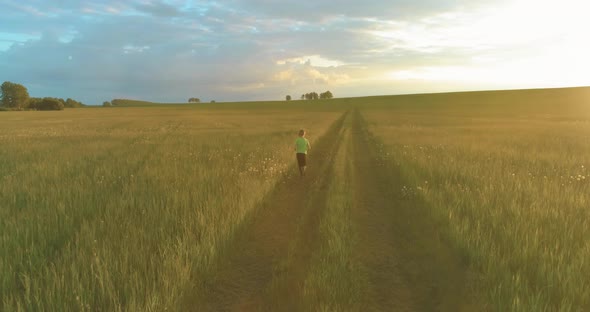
(158, 8)
(316, 60)
(170, 50)
(322, 10)
(298, 72)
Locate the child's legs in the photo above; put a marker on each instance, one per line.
(302, 162)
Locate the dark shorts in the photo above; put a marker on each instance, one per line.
(301, 159)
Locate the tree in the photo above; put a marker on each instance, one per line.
(194, 100)
(47, 104)
(62, 101)
(73, 103)
(34, 102)
(312, 96)
(14, 95)
(106, 104)
(316, 96)
(326, 95)
(288, 98)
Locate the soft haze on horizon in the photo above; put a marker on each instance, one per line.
(228, 50)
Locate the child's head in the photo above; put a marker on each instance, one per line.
(301, 133)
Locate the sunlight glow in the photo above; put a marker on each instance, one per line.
(313, 60)
(525, 43)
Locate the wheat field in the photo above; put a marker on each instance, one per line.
(448, 202)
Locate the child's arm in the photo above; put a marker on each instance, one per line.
(308, 145)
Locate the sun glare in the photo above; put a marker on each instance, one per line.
(526, 43)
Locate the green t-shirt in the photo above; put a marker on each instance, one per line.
(302, 145)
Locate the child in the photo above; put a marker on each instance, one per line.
(301, 147)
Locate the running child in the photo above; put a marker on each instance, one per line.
(301, 147)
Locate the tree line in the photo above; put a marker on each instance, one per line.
(15, 96)
(314, 96)
(197, 100)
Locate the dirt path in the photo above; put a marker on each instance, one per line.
(268, 260)
(409, 263)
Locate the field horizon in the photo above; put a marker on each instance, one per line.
(142, 102)
(460, 201)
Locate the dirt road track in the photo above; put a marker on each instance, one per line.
(276, 245)
(409, 265)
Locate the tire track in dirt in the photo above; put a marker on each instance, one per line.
(267, 263)
(408, 261)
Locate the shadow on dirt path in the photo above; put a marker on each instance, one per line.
(266, 264)
(409, 263)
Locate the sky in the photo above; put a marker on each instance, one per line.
(243, 50)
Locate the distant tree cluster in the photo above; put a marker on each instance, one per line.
(16, 97)
(288, 98)
(310, 96)
(326, 95)
(46, 104)
(197, 100)
(315, 96)
(70, 103)
(49, 103)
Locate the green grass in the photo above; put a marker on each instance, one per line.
(120, 208)
(125, 208)
(509, 171)
(334, 281)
